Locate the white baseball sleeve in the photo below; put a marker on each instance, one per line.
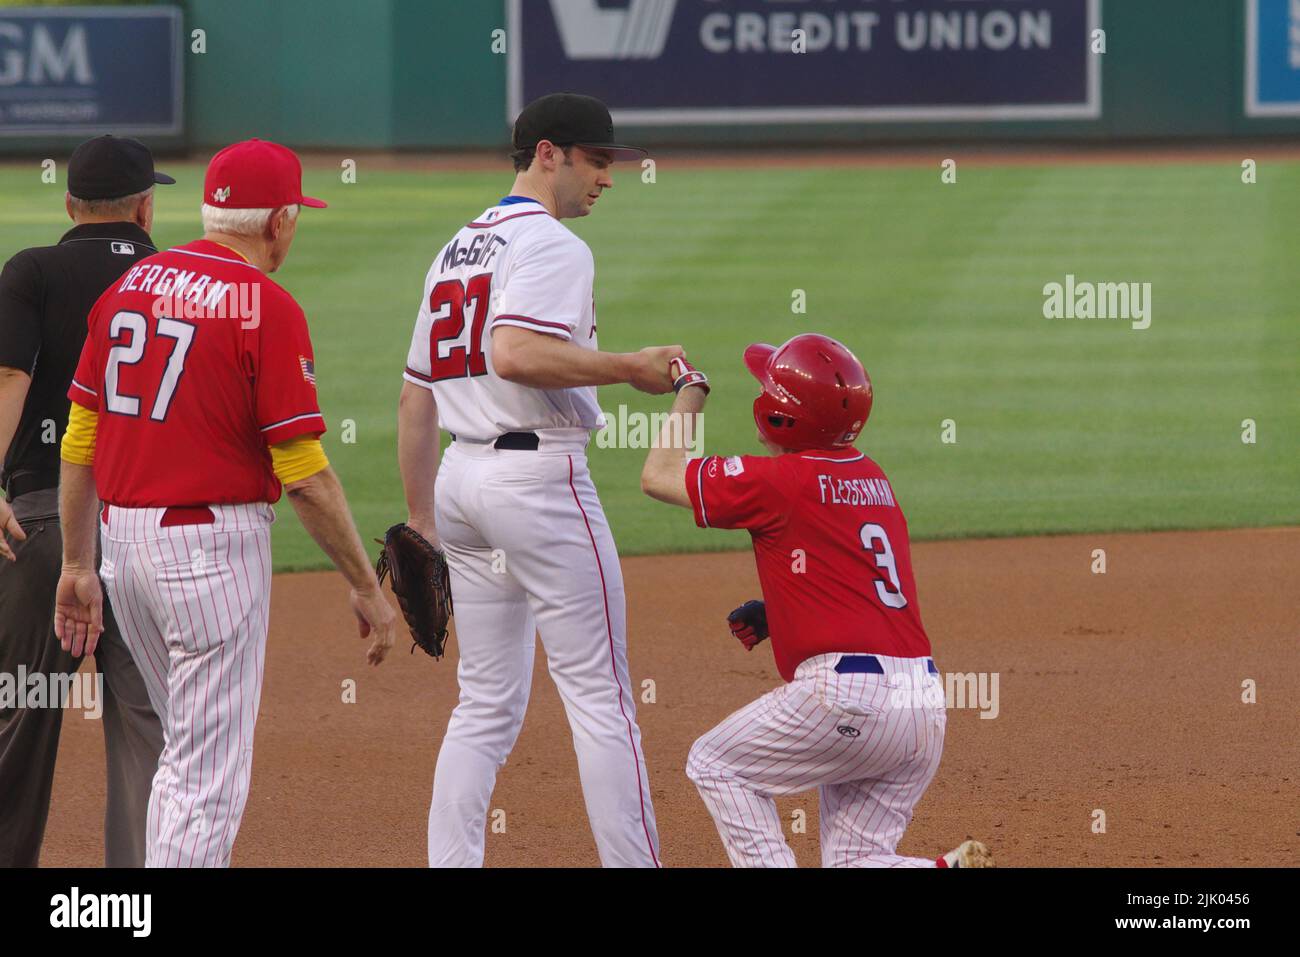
(547, 288)
(419, 362)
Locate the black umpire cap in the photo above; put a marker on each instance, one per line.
(570, 119)
(109, 167)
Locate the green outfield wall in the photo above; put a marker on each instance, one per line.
(365, 73)
(433, 74)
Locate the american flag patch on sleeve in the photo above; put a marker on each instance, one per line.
(308, 370)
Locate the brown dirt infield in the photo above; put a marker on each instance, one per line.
(1120, 692)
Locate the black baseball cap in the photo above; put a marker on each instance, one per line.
(570, 119)
(109, 167)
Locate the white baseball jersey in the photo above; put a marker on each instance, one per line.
(516, 265)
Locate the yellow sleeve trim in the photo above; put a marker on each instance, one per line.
(298, 458)
(79, 439)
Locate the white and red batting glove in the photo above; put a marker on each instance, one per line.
(748, 623)
(685, 374)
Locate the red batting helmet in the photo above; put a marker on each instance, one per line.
(816, 395)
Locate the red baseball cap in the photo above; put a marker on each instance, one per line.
(256, 174)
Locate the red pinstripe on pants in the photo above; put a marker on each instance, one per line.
(192, 603)
(870, 750)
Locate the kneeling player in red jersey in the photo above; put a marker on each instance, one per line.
(862, 716)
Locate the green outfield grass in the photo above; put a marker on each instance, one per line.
(1062, 425)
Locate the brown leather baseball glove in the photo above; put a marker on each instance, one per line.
(421, 583)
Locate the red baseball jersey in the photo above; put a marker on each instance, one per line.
(831, 546)
(195, 362)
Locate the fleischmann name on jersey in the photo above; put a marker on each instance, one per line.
(855, 491)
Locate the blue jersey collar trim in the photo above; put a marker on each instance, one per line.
(511, 200)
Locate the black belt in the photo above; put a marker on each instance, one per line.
(870, 665)
(518, 441)
(24, 483)
(514, 441)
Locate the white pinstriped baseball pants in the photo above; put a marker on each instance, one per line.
(870, 750)
(192, 602)
(530, 552)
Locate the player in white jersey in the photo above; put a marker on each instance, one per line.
(504, 357)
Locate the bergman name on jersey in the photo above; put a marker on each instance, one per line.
(191, 293)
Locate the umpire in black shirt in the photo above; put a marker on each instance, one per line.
(46, 293)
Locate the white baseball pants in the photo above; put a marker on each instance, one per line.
(869, 743)
(530, 552)
(192, 602)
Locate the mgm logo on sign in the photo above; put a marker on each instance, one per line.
(81, 70)
(35, 57)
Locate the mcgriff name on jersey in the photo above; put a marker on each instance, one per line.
(478, 253)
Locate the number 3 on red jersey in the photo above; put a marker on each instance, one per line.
(890, 595)
(447, 305)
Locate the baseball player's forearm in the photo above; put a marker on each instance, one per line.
(78, 504)
(540, 361)
(323, 510)
(664, 474)
(14, 384)
(418, 435)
